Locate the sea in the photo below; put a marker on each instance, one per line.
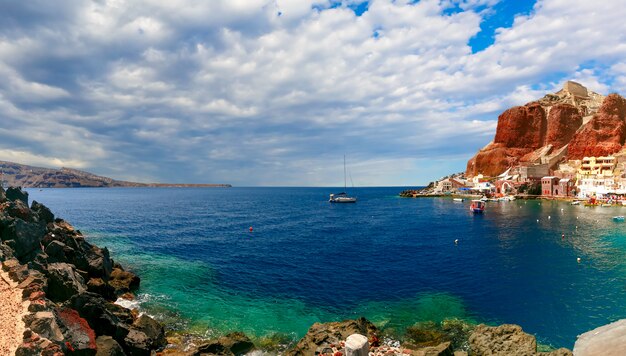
(392, 260)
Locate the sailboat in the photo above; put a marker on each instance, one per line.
(343, 196)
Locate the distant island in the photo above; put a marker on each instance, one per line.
(15, 174)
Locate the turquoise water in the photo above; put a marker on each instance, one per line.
(389, 259)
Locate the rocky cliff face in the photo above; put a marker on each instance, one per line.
(569, 124)
(19, 175)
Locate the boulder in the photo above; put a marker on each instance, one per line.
(153, 329)
(77, 332)
(100, 265)
(604, 134)
(123, 281)
(236, 343)
(24, 238)
(443, 349)
(559, 352)
(43, 213)
(98, 314)
(107, 346)
(331, 333)
(505, 339)
(607, 340)
(57, 251)
(16, 193)
(98, 286)
(64, 282)
(137, 343)
(5, 252)
(18, 209)
(45, 324)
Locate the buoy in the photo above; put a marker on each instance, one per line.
(577, 226)
(250, 229)
(456, 242)
(537, 220)
(548, 216)
(578, 260)
(562, 236)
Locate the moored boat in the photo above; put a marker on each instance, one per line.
(618, 218)
(341, 198)
(575, 202)
(457, 199)
(477, 206)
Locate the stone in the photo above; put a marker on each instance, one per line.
(604, 134)
(153, 329)
(507, 339)
(558, 352)
(236, 343)
(44, 214)
(606, 340)
(331, 333)
(5, 252)
(357, 345)
(98, 286)
(77, 332)
(16, 193)
(57, 251)
(98, 313)
(123, 281)
(99, 264)
(443, 349)
(460, 353)
(24, 238)
(137, 343)
(45, 324)
(107, 346)
(64, 282)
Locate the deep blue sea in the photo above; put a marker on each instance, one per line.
(390, 259)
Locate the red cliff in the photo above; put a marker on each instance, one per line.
(551, 130)
(604, 134)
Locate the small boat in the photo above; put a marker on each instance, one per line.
(606, 205)
(575, 202)
(458, 199)
(618, 218)
(477, 206)
(341, 198)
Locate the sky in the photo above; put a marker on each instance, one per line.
(276, 92)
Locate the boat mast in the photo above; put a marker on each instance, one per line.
(345, 186)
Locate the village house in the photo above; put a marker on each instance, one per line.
(549, 186)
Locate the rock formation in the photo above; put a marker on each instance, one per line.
(570, 124)
(28, 176)
(71, 285)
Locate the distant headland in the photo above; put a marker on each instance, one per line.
(15, 174)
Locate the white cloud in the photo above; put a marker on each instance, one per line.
(243, 91)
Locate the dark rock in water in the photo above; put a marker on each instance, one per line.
(44, 214)
(236, 343)
(77, 332)
(64, 282)
(98, 286)
(107, 346)
(123, 281)
(16, 193)
(153, 329)
(24, 238)
(505, 339)
(96, 311)
(331, 333)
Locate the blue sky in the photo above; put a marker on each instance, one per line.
(275, 92)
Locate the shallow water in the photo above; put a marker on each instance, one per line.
(390, 259)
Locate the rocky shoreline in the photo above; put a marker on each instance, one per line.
(70, 287)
